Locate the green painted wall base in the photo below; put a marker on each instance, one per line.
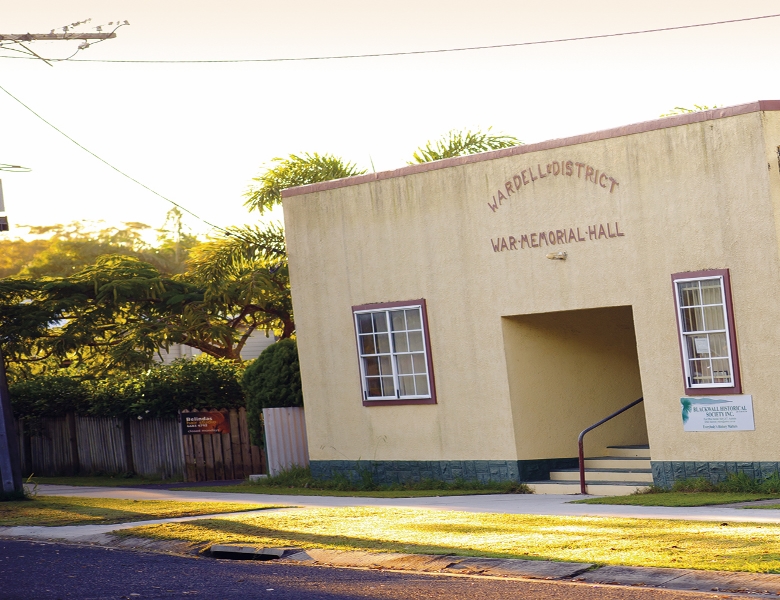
(388, 472)
(666, 472)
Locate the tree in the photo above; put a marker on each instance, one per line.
(174, 243)
(246, 286)
(462, 143)
(293, 171)
(107, 301)
(74, 246)
(16, 254)
(116, 314)
(112, 315)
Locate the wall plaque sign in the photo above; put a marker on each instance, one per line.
(718, 413)
(204, 422)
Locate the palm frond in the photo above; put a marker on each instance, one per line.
(682, 110)
(461, 143)
(294, 171)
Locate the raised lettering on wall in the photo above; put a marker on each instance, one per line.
(557, 237)
(539, 172)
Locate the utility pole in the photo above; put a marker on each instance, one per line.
(10, 463)
(3, 218)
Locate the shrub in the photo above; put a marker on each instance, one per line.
(694, 485)
(301, 477)
(739, 483)
(162, 391)
(735, 483)
(272, 380)
(48, 396)
(201, 383)
(771, 485)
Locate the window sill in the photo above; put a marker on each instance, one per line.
(714, 391)
(399, 401)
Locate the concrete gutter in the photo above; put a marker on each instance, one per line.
(672, 579)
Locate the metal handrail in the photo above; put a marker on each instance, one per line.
(583, 489)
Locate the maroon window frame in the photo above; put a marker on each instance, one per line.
(713, 391)
(426, 340)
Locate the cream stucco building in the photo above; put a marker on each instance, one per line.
(469, 317)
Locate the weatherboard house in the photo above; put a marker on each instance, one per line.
(471, 316)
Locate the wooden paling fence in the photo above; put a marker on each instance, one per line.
(222, 456)
(153, 447)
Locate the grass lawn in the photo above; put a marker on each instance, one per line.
(60, 510)
(105, 481)
(656, 543)
(680, 499)
(254, 488)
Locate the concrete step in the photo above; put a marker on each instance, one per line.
(617, 462)
(630, 451)
(644, 475)
(598, 488)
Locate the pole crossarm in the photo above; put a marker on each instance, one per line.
(30, 37)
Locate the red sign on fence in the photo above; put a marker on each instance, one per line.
(204, 422)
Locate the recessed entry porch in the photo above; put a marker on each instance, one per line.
(566, 371)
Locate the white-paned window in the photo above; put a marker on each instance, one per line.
(706, 331)
(393, 350)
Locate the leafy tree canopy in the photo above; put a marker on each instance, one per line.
(16, 254)
(117, 313)
(462, 143)
(293, 171)
(114, 314)
(246, 282)
(65, 249)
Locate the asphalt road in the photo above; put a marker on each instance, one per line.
(48, 570)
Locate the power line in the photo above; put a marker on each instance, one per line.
(416, 52)
(105, 162)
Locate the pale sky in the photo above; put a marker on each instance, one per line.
(199, 133)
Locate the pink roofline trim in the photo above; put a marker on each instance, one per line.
(654, 125)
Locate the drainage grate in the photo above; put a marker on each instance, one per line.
(236, 552)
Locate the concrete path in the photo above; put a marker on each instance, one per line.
(529, 504)
(96, 533)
